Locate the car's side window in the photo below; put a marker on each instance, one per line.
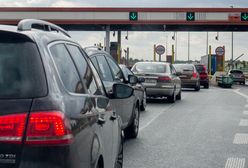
(85, 71)
(105, 71)
(115, 69)
(66, 69)
(173, 71)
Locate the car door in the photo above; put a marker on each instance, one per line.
(123, 107)
(103, 107)
(176, 79)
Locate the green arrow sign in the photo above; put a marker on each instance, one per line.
(244, 16)
(133, 16)
(190, 16)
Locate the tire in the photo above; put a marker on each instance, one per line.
(198, 87)
(119, 158)
(132, 130)
(179, 95)
(143, 103)
(206, 86)
(172, 98)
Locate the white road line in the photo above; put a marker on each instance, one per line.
(243, 122)
(245, 112)
(246, 105)
(148, 123)
(241, 94)
(235, 163)
(240, 138)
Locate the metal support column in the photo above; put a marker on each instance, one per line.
(107, 38)
(119, 46)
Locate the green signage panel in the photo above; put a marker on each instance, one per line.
(190, 16)
(244, 16)
(133, 16)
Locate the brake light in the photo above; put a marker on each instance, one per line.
(12, 128)
(164, 78)
(203, 75)
(48, 128)
(194, 75)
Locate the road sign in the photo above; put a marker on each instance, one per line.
(160, 50)
(190, 16)
(133, 16)
(220, 51)
(244, 16)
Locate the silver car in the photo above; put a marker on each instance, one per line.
(160, 80)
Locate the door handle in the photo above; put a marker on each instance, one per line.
(101, 121)
(113, 116)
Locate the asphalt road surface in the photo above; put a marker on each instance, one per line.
(206, 129)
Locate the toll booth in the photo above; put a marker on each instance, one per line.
(169, 58)
(216, 62)
(114, 50)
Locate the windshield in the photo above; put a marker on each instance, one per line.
(236, 72)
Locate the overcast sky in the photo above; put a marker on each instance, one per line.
(141, 43)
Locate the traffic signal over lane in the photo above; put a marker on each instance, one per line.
(133, 16)
(190, 16)
(244, 16)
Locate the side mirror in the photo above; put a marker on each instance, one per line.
(122, 91)
(132, 79)
(178, 73)
(141, 79)
(102, 102)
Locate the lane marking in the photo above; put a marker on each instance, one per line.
(240, 138)
(235, 163)
(154, 118)
(245, 112)
(148, 123)
(246, 105)
(241, 94)
(243, 122)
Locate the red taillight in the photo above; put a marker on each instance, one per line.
(12, 128)
(164, 78)
(48, 128)
(203, 75)
(194, 75)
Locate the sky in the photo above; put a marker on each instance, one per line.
(141, 43)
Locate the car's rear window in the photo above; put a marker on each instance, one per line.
(236, 72)
(150, 68)
(184, 67)
(21, 71)
(200, 68)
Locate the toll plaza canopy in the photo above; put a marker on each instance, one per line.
(134, 19)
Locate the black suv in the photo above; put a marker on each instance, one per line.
(54, 112)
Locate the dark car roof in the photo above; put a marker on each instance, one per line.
(36, 34)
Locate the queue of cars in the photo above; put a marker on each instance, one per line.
(55, 110)
(64, 106)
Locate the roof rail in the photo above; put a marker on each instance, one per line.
(26, 24)
(94, 47)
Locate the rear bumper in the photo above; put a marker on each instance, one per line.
(186, 83)
(238, 79)
(204, 81)
(158, 92)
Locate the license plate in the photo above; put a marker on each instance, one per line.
(150, 81)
